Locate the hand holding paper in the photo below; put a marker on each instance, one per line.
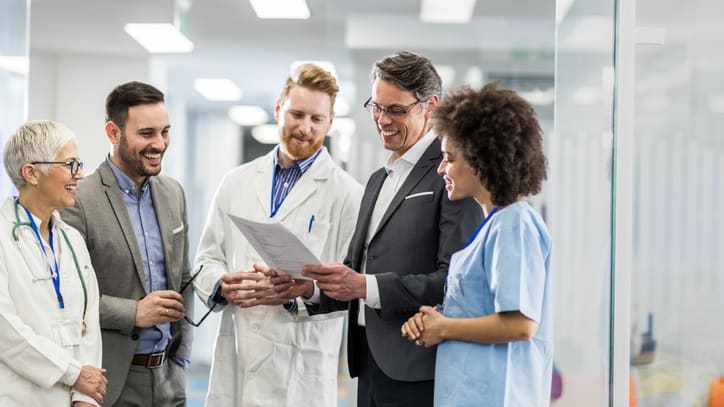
(280, 249)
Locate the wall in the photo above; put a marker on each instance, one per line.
(71, 88)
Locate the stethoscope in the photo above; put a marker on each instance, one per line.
(56, 275)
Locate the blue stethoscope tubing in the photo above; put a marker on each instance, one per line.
(18, 224)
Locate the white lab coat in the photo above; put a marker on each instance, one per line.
(42, 348)
(265, 356)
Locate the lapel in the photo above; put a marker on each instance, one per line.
(113, 193)
(367, 206)
(427, 162)
(164, 216)
(263, 182)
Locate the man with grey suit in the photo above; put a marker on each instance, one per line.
(406, 231)
(135, 225)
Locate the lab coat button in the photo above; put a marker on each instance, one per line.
(255, 328)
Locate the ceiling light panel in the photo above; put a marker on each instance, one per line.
(281, 9)
(218, 89)
(266, 133)
(162, 38)
(447, 11)
(245, 115)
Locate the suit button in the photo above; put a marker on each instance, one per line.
(372, 258)
(134, 337)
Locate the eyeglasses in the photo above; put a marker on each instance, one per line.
(188, 283)
(393, 111)
(74, 165)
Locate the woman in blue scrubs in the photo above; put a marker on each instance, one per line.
(494, 328)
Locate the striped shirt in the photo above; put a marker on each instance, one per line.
(284, 179)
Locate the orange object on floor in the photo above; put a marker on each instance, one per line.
(631, 393)
(716, 393)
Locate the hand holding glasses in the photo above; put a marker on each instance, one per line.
(188, 283)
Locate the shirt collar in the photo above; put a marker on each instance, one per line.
(125, 183)
(303, 164)
(413, 155)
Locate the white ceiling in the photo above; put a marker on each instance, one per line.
(514, 36)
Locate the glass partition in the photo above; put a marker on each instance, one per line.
(580, 200)
(677, 355)
(13, 74)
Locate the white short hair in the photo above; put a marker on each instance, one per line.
(36, 140)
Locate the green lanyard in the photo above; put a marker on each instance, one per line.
(75, 260)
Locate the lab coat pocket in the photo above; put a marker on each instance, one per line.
(68, 333)
(314, 232)
(262, 361)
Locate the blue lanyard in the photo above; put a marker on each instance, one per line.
(55, 274)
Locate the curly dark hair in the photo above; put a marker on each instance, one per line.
(498, 135)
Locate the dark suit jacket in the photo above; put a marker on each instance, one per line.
(101, 216)
(409, 254)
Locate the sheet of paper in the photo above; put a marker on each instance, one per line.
(278, 246)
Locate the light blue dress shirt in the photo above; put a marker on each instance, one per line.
(148, 235)
(506, 267)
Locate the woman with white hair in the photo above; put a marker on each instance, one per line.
(50, 342)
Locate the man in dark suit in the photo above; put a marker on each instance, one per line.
(406, 231)
(134, 223)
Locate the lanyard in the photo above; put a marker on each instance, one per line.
(54, 273)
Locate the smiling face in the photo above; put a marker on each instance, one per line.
(56, 187)
(304, 119)
(139, 148)
(460, 178)
(399, 133)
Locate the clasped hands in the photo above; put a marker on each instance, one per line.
(262, 286)
(91, 381)
(265, 286)
(424, 328)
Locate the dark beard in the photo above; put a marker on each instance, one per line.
(133, 163)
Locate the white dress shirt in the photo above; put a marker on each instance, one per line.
(398, 169)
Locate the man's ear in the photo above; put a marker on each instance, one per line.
(113, 132)
(277, 109)
(30, 173)
(430, 104)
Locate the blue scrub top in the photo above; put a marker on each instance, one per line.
(505, 268)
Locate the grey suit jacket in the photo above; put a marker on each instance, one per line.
(101, 216)
(409, 253)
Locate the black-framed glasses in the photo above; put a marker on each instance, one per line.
(188, 283)
(393, 111)
(74, 165)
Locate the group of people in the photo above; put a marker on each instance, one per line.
(439, 247)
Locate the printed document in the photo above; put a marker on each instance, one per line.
(280, 249)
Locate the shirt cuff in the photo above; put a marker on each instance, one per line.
(372, 299)
(216, 297)
(71, 374)
(314, 299)
(181, 362)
